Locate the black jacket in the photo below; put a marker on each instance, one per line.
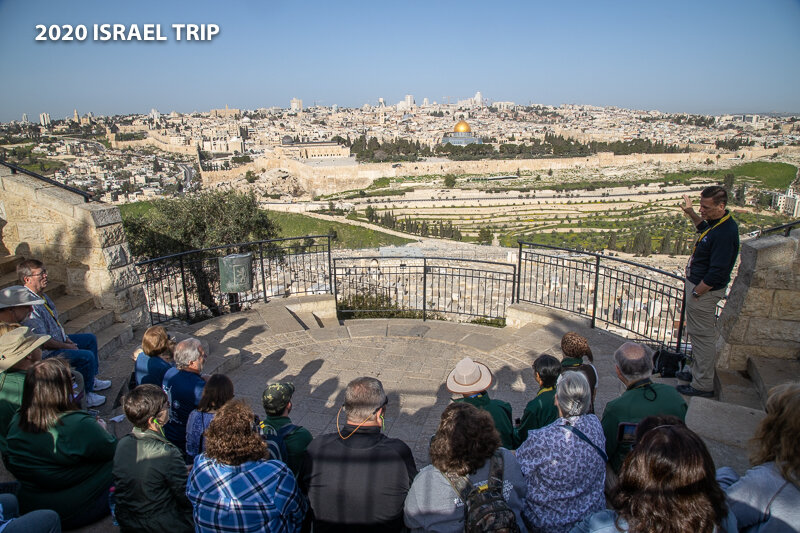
(358, 483)
(716, 253)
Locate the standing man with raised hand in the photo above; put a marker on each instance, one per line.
(707, 275)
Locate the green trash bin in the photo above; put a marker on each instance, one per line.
(236, 273)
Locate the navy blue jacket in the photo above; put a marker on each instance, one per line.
(715, 255)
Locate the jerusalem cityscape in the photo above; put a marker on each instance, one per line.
(340, 239)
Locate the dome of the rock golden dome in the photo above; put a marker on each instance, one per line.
(462, 127)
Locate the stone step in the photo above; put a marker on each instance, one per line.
(8, 264)
(726, 429)
(307, 320)
(8, 279)
(72, 307)
(112, 338)
(326, 321)
(94, 321)
(737, 388)
(278, 318)
(767, 372)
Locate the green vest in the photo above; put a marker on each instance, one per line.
(501, 414)
(65, 468)
(642, 399)
(10, 399)
(539, 412)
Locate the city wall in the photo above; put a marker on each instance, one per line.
(331, 179)
(761, 317)
(82, 244)
(154, 141)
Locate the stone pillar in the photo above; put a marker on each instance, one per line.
(762, 315)
(82, 244)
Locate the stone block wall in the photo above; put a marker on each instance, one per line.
(762, 315)
(82, 244)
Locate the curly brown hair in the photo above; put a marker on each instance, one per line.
(576, 346)
(667, 484)
(778, 433)
(231, 437)
(466, 438)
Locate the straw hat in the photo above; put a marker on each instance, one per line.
(16, 344)
(17, 296)
(469, 377)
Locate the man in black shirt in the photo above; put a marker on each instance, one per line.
(707, 275)
(357, 479)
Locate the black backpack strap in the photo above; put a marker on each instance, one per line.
(287, 430)
(583, 437)
(496, 470)
(460, 485)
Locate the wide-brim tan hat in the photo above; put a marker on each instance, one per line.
(469, 377)
(16, 344)
(17, 296)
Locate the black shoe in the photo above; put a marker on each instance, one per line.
(684, 375)
(688, 390)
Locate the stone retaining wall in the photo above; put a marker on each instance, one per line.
(323, 179)
(762, 315)
(82, 244)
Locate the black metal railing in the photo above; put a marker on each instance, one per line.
(422, 287)
(643, 301)
(186, 285)
(635, 300)
(14, 169)
(785, 228)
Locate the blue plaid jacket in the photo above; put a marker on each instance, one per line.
(254, 496)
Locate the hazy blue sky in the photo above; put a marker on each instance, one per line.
(695, 56)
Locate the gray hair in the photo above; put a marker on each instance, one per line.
(187, 351)
(634, 360)
(363, 397)
(573, 393)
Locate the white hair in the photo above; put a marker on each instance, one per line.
(573, 393)
(187, 351)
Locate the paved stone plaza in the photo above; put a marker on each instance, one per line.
(411, 357)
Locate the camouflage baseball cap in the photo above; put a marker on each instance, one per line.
(276, 397)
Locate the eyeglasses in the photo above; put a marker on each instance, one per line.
(39, 275)
(384, 404)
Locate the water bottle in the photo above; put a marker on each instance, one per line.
(112, 503)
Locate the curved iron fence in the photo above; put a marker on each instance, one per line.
(187, 286)
(640, 300)
(625, 297)
(422, 287)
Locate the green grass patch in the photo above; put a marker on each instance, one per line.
(347, 236)
(771, 175)
(297, 225)
(135, 209)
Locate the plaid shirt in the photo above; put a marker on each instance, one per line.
(254, 496)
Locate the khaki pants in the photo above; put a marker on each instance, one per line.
(701, 325)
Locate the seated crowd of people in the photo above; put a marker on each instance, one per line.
(200, 459)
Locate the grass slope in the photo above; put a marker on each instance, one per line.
(348, 237)
(296, 225)
(770, 175)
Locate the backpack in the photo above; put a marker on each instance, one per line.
(485, 509)
(667, 363)
(275, 440)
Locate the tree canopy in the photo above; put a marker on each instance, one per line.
(202, 220)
